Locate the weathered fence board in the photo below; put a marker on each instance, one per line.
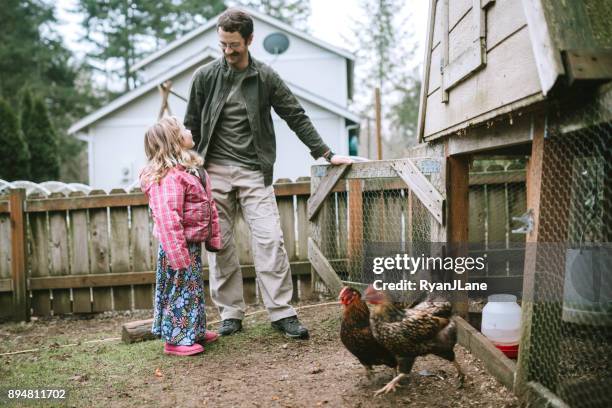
(302, 224)
(477, 222)
(120, 253)
(79, 256)
(325, 187)
(6, 298)
(39, 261)
(99, 254)
(496, 223)
(393, 207)
(287, 220)
(18, 255)
(342, 229)
(58, 253)
(323, 267)
(244, 249)
(95, 199)
(355, 229)
(421, 187)
(140, 243)
(304, 281)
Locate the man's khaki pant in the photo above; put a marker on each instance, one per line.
(234, 186)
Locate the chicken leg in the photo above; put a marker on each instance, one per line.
(460, 374)
(391, 386)
(369, 372)
(403, 367)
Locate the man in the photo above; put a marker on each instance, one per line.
(229, 115)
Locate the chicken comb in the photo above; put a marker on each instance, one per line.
(343, 291)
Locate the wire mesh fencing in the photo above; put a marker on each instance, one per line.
(569, 332)
(371, 207)
(497, 227)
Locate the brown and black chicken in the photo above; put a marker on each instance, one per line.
(426, 328)
(356, 334)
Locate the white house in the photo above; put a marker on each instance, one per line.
(319, 74)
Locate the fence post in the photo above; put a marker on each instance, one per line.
(458, 216)
(21, 311)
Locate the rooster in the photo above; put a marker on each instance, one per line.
(426, 328)
(356, 335)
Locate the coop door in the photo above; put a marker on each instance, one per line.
(463, 27)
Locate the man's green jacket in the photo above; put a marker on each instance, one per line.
(263, 89)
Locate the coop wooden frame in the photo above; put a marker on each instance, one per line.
(353, 179)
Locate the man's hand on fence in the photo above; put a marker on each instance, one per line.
(338, 159)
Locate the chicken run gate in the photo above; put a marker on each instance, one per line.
(394, 202)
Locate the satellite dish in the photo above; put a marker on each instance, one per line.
(276, 43)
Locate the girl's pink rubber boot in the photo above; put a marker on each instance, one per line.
(183, 350)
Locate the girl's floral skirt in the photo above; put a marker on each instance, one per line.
(180, 316)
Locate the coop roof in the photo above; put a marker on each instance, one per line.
(561, 39)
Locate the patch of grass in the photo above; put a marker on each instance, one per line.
(252, 335)
(94, 372)
(331, 323)
(16, 328)
(88, 372)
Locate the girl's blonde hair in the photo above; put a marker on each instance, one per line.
(164, 150)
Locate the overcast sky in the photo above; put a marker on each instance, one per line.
(332, 21)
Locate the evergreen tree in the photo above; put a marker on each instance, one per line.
(14, 155)
(26, 110)
(403, 116)
(40, 62)
(42, 140)
(379, 44)
(32, 56)
(386, 48)
(292, 12)
(123, 31)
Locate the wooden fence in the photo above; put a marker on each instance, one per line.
(96, 252)
(495, 197)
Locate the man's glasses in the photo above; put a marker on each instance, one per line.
(232, 46)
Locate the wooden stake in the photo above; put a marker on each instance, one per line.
(164, 90)
(378, 123)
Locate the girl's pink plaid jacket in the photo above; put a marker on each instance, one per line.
(183, 212)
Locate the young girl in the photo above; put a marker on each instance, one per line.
(185, 215)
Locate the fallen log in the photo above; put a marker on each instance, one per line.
(139, 330)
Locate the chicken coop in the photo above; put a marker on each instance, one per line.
(514, 164)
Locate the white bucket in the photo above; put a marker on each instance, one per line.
(501, 320)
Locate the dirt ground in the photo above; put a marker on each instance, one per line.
(257, 368)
